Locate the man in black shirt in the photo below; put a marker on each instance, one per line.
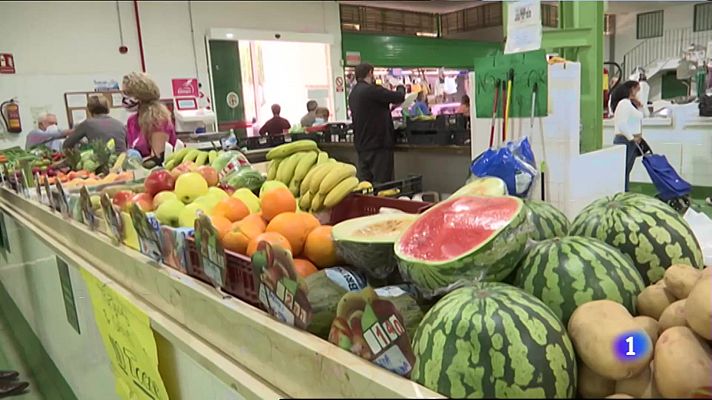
(374, 135)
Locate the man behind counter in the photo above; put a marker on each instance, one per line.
(276, 125)
(373, 126)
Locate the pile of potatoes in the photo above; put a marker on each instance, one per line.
(675, 314)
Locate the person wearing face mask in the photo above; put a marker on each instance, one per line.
(321, 116)
(627, 123)
(374, 135)
(47, 133)
(150, 127)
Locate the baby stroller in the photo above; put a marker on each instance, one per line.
(672, 189)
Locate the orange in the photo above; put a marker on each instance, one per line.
(256, 220)
(242, 232)
(277, 201)
(273, 238)
(292, 226)
(310, 221)
(319, 247)
(232, 209)
(304, 267)
(221, 224)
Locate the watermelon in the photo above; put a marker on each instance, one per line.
(367, 242)
(486, 186)
(546, 220)
(654, 235)
(567, 272)
(463, 239)
(493, 340)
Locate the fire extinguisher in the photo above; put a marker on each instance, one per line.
(10, 112)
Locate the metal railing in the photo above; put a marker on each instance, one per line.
(671, 45)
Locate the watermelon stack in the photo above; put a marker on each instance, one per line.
(644, 228)
(567, 272)
(546, 220)
(463, 239)
(493, 340)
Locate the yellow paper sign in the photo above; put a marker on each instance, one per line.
(130, 345)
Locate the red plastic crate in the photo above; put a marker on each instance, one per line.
(358, 205)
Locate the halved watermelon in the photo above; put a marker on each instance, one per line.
(367, 242)
(486, 186)
(467, 238)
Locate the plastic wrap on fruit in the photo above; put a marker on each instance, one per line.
(228, 161)
(325, 288)
(244, 177)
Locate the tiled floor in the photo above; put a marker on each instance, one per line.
(11, 360)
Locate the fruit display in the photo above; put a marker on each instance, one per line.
(650, 232)
(486, 186)
(546, 220)
(492, 340)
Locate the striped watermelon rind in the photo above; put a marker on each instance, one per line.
(567, 272)
(547, 221)
(491, 261)
(654, 235)
(493, 340)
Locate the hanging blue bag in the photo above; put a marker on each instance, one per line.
(514, 163)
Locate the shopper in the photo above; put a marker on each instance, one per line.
(150, 127)
(47, 133)
(10, 386)
(308, 119)
(276, 125)
(464, 106)
(420, 107)
(627, 123)
(373, 126)
(99, 126)
(321, 116)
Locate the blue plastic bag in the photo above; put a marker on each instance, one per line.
(514, 163)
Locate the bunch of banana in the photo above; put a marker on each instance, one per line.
(199, 157)
(290, 163)
(326, 185)
(364, 187)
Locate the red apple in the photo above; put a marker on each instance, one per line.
(122, 199)
(209, 173)
(158, 181)
(144, 201)
(187, 166)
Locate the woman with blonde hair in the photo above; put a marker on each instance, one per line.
(150, 128)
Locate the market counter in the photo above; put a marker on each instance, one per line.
(444, 168)
(239, 351)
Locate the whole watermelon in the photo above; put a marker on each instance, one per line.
(546, 220)
(654, 235)
(567, 272)
(493, 340)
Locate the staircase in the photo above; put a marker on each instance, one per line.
(663, 52)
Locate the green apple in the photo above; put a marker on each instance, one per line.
(189, 214)
(95, 202)
(207, 202)
(250, 199)
(168, 212)
(217, 192)
(190, 186)
(271, 185)
(162, 197)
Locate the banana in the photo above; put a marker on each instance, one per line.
(337, 175)
(212, 156)
(285, 150)
(305, 164)
(305, 201)
(304, 187)
(389, 193)
(340, 191)
(323, 157)
(317, 202)
(272, 169)
(364, 185)
(119, 164)
(286, 168)
(201, 159)
(319, 175)
(179, 155)
(294, 187)
(191, 156)
(169, 165)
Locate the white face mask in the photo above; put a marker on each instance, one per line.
(52, 129)
(129, 103)
(319, 121)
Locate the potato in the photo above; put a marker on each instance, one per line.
(674, 315)
(682, 362)
(698, 308)
(650, 325)
(653, 300)
(593, 386)
(679, 279)
(594, 328)
(706, 272)
(620, 396)
(640, 386)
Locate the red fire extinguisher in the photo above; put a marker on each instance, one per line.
(10, 112)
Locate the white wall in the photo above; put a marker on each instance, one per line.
(63, 46)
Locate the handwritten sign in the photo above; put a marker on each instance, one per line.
(62, 199)
(210, 251)
(148, 232)
(129, 342)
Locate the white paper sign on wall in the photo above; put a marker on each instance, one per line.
(523, 26)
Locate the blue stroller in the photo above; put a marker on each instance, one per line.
(672, 189)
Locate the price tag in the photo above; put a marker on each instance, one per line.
(88, 214)
(282, 291)
(148, 232)
(210, 251)
(62, 199)
(113, 218)
(50, 198)
(38, 187)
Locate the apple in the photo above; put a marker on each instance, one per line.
(168, 212)
(217, 193)
(189, 214)
(158, 181)
(122, 199)
(209, 173)
(250, 199)
(162, 197)
(183, 168)
(144, 201)
(190, 186)
(268, 186)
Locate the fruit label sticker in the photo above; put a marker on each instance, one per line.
(63, 205)
(210, 251)
(147, 230)
(373, 328)
(282, 291)
(88, 214)
(349, 280)
(112, 218)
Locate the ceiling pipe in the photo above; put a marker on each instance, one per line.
(140, 38)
